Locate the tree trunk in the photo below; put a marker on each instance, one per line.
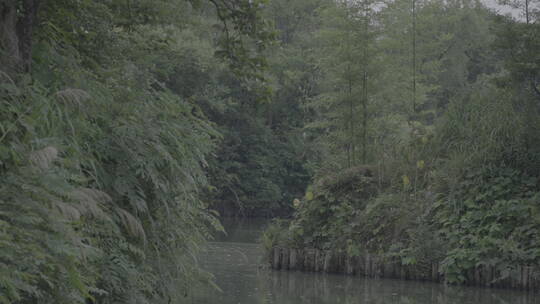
(353, 135)
(10, 56)
(364, 120)
(365, 83)
(17, 20)
(527, 11)
(414, 57)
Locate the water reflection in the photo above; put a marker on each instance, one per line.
(236, 266)
(242, 230)
(309, 288)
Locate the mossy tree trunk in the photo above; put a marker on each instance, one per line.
(17, 20)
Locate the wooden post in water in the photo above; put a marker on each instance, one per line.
(285, 258)
(367, 265)
(327, 260)
(309, 260)
(349, 269)
(317, 255)
(276, 258)
(293, 259)
(522, 277)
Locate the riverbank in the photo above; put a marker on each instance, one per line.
(235, 263)
(368, 265)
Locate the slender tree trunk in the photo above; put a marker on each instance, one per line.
(532, 80)
(350, 96)
(527, 11)
(348, 145)
(353, 135)
(414, 56)
(365, 83)
(364, 120)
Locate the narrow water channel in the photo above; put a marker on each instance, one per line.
(235, 262)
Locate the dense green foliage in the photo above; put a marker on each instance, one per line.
(425, 128)
(261, 165)
(125, 126)
(104, 144)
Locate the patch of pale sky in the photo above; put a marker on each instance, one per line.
(517, 13)
(504, 9)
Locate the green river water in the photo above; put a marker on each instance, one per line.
(235, 260)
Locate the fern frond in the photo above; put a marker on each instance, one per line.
(132, 224)
(68, 210)
(90, 201)
(72, 96)
(43, 158)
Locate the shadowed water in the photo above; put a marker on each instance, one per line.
(235, 260)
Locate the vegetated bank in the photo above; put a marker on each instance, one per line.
(346, 226)
(104, 142)
(442, 100)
